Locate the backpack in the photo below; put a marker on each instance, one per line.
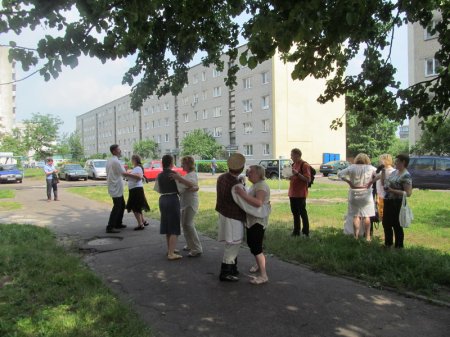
(313, 174)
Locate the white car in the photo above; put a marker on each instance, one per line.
(96, 168)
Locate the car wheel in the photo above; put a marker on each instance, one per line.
(85, 179)
(325, 174)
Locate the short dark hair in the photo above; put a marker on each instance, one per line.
(167, 160)
(113, 148)
(404, 158)
(297, 152)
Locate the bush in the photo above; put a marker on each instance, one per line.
(206, 167)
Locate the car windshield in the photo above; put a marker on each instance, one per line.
(73, 167)
(8, 167)
(101, 163)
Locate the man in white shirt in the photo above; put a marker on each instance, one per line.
(115, 173)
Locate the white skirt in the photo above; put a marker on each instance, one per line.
(360, 203)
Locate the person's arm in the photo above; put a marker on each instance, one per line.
(256, 201)
(343, 176)
(133, 175)
(406, 188)
(189, 183)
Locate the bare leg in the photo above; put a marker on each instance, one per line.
(261, 262)
(138, 217)
(356, 226)
(171, 243)
(367, 228)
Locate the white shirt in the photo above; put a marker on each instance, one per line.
(359, 174)
(114, 172)
(380, 188)
(189, 198)
(132, 182)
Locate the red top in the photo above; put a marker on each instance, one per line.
(297, 187)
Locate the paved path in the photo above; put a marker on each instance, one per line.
(185, 298)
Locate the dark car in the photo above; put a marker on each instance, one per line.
(72, 172)
(272, 167)
(430, 172)
(333, 167)
(9, 173)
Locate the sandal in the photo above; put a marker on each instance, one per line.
(139, 228)
(254, 269)
(146, 223)
(174, 256)
(259, 280)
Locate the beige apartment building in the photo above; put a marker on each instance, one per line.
(264, 116)
(7, 92)
(422, 66)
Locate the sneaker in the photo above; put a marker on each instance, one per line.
(121, 226)
(173, 257)
(112, 230)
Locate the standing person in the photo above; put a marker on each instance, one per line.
(360, 177)
(51, 179)
(231, 217)
(298, 192)
(115, 173)
(257, 196)
(136, 199)
(398, 183)
(189, 205)
(169, 206)
(213, 166)
(385, 162)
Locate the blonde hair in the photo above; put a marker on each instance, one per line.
(260, 170)
(362, 158)
(189, 160)
(386, 159)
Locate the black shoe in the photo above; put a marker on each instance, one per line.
(146, 223)
(121, 226)
(226, 273)
(112, 230)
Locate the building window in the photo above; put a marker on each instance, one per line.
(266, 149)
(216, 73)
(248, 128)
(158, 108)
(266, 125)
(205, 95)
(166, 138)
(429, 32)
(204, 114)
(196, 115)
(247, 83)
(265, 102)
(203, 76)
(146, 112)
(166, 121)
(195, 98)
(186, 118)
(195, 79)
(217, 132)
(265, 77)
(217, 91)
(185, 100)
(217, 112)
(431, 67)
(248, 105)
(166, 105)
(248, 150)
(158, 139)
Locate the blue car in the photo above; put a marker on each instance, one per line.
(9, 173)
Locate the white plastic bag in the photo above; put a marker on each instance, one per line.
(406, 215)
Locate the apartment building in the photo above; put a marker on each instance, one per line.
(422, 65)
(264, 116)
(7, 92)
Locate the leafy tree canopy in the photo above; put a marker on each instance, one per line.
(200, 143)
(13, 142)
(436, 141)
(147, 149)
(71, 145)
(41, 134)
(320, 37)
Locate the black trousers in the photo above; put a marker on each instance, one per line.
(298, 209)
(255, 237)
(391, 224)
(116, 216)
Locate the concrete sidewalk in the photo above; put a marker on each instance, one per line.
(185, 297)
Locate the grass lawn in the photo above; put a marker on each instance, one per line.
(67, 300)
(35, 173)
(6, 205)
(423, 266)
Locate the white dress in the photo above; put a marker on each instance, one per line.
(360, 201)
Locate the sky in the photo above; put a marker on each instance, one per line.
(92, 84)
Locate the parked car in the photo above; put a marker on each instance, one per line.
(333, 167)
(272, 167)
(72, 172)
(9, 173)
(430, 172)
(40, 164)
(96, 168)
(153, 168)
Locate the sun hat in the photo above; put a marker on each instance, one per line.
(236, 161)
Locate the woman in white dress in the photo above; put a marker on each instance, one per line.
(360, 177)
(189, 205)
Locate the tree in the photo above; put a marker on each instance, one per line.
(436, 141)
(319, 37)
(199, 143)
(398, 146)
(13, 142)
(372, 140)
(146, 149)
(71, 145)
(41, 134)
